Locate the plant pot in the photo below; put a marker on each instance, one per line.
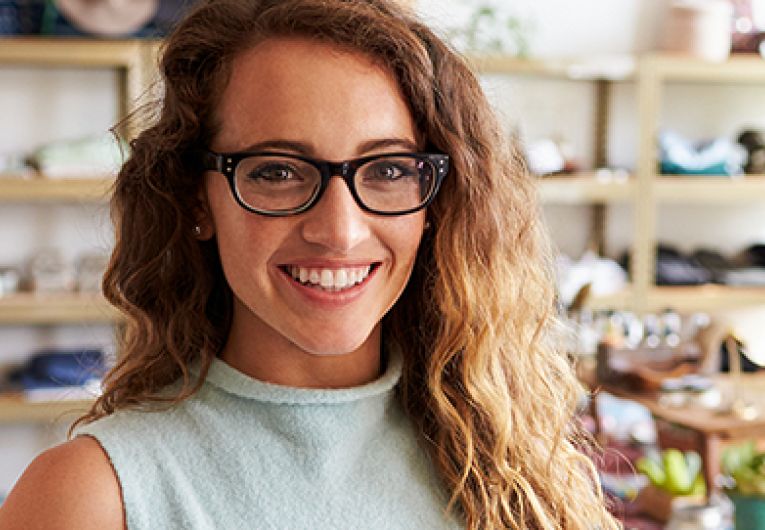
(658, 504)
(749, 511)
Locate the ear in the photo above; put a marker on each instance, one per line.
(204, 229)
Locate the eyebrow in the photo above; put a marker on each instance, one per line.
(306, 149)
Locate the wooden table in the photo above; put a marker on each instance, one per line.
(704, 430)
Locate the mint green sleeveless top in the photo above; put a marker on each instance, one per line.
(246, 454)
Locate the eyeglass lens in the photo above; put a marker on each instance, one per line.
(386, 184)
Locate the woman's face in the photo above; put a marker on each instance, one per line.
(316, 100)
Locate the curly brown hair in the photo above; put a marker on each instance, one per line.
(485, 379)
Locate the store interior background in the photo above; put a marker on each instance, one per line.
(45, 105)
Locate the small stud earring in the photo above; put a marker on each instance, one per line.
(426, 226)
(198, 230)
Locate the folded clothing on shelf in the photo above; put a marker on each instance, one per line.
(59, 369)
(681, 156)
(673, 268)
(703, 266)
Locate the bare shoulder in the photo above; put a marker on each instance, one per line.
(72, 485)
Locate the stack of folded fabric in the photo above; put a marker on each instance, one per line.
(60, 374)
(717, 156)
(704, 265)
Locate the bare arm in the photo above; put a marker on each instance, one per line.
(72, 486)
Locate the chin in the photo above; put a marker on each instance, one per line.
(342, 346)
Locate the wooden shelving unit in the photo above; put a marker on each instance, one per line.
(56, 309)
(132, 62)
(41, 189)
(585, 188)
(655, 72)
(645, 190)
(709, 190)
(15, 409)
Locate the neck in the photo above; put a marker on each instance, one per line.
(273, 359)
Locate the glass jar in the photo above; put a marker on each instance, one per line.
(707, 517)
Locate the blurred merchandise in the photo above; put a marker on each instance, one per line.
(15, 165)
(744, 468)
(748, 25)
(492, 28)
(89, 270)
(699, 28)
(550, 157)
(88, 18)
(49, 272)
(717, 156)
(10, 280)
(93, 156)
(673, 268)
(754, 143)
(21, 17)
(604, 276)
(59, 374)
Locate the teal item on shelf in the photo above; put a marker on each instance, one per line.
(749, 511)
(715, 157)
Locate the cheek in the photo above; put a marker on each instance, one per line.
(404, 239)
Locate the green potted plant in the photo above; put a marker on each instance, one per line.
(676, 481)
(744, 466)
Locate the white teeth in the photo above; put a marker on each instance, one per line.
(341, 279)
(328, 279)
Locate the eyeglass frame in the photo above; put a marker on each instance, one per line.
(226, 164)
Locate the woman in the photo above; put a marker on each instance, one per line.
(377, 350)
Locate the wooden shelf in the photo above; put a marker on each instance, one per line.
(710, 189)
(59, 51)
(622, 301)
(14, 409)
(18, 189)
(585, 188)
(738, 69)
(39, 309)
(705, 298)
(614, 68)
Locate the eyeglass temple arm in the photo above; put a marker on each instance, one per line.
(212, 161)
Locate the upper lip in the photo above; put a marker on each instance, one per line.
(330, 264)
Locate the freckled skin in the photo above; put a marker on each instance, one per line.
(320, 101)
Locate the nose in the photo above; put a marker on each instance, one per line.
(336, 222)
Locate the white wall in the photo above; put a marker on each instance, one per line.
(38, 106)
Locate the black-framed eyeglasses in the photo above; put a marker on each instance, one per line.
(279, 184)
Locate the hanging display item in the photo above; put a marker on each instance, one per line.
(91, 18)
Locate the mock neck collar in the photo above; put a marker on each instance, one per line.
(231, 380)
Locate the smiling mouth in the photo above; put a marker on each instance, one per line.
(329, 280)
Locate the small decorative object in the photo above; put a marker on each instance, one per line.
(754, 143)
(97, 155)
(10, 278)
(491, 29)
(700, 28)
(90, 269)
(21, 17)
(110, 18)
(49, 272)
(744, 465)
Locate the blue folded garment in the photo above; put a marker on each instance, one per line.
(57, 368)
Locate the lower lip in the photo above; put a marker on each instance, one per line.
(331, 299)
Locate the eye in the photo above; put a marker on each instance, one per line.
(273, 173)
(390, 170)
